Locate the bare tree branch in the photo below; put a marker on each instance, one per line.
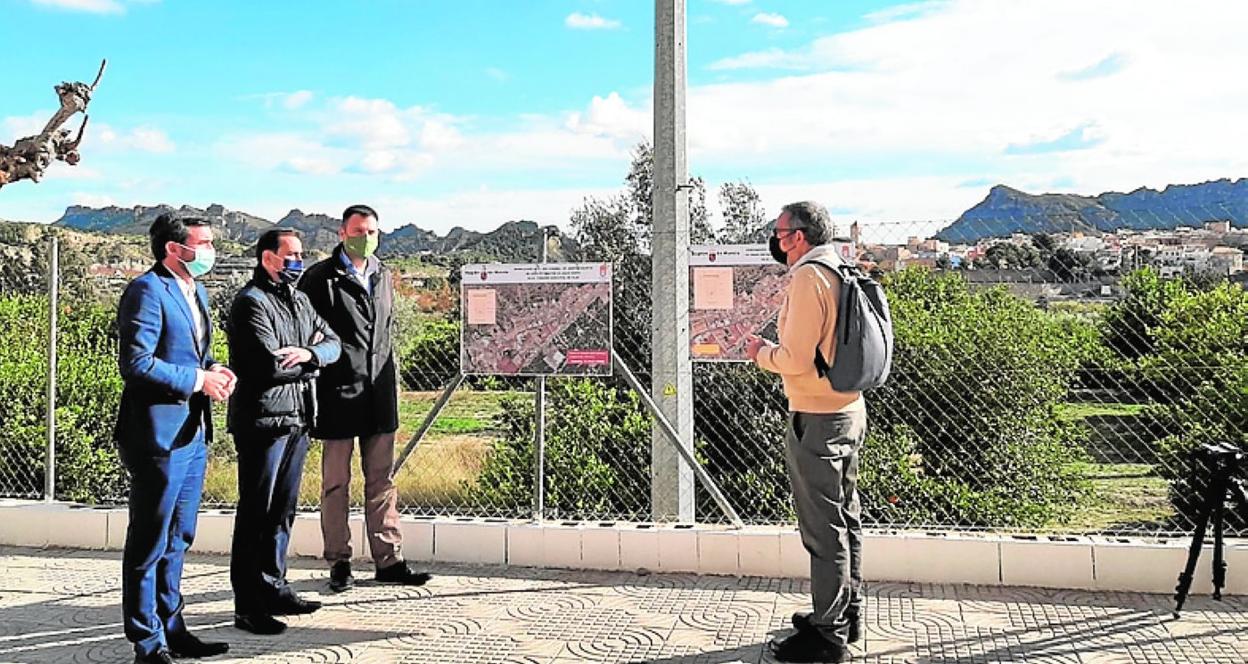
(29, 157)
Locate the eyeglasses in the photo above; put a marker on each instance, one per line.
(782, 232)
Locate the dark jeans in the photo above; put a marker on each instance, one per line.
(822, 457)
(164, 506)
(269, 470)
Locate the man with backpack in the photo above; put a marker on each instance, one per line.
(827, 425)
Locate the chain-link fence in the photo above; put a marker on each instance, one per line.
(1057, 380)
(23, 383)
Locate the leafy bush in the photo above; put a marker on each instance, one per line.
(739, 420)
(597, 454)
(427, 347)
(965, 432)
(1200, 363)
(88, 389)
(1165, 332)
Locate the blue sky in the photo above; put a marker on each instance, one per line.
(473, 112)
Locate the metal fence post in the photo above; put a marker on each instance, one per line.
(539, 429)
(49, 475)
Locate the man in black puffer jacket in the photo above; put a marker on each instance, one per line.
(278, 344)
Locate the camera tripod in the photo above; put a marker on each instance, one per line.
(1226, 484)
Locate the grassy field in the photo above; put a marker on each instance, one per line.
(1082, 411)
(449, 457)
(1125, 496)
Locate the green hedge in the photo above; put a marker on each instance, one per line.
(597, 454)
(427, 348)
(88, 388)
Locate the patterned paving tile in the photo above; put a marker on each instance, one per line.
(63, 606)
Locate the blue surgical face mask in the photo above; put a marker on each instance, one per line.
(292, 269)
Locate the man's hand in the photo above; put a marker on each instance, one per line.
(293, 356)
(754, 344)
(229, 373)
(218, 385)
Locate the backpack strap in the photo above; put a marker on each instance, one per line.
(821, 363)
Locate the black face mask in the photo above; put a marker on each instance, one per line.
(776, 252)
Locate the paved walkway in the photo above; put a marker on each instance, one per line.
(63, 606)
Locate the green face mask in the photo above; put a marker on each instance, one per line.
(204, 259)
(361, 246)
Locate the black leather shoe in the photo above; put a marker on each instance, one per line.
(293, 605)
(161, 656)
(340, 578)
(259, 623)
(402, 574)
(190, 646)
(808, 646)
(801, 620)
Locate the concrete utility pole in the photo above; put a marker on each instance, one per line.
(672, 481)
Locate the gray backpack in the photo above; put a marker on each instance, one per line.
(864, 332)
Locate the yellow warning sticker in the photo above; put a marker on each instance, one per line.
(669, 390)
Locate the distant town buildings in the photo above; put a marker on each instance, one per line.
(1214, 248)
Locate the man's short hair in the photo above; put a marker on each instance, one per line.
(272, 239)
(168, 228)
(813, 220)
(361, 210)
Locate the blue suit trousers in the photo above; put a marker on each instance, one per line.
(164, 502)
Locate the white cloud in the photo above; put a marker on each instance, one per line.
(579, 21)
(939, 106)
(496, 73)
(1048, 97)
(376, 137)
(285, 151)
(773, 58)
(311, 165)
(92, 200)
(905, 11)
(375, 123)
(770, 19)
(138, 139)
(21, 126)
(484, 208)
(296, 100)
(440, 136)
(611, 117)
(99, 135)
(148, 139)
(89, 6)
(379, 161)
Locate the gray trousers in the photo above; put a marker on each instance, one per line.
(822, 457)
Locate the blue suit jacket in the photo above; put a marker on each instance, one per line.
(158, 357)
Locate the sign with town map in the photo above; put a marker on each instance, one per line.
(735, 290)
(536, 319)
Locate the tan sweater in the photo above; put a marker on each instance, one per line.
(808, 320)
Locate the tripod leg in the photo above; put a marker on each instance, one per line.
(1219, 558)
(1222, 485)
(1193, 553)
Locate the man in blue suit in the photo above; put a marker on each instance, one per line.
(164, 423)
